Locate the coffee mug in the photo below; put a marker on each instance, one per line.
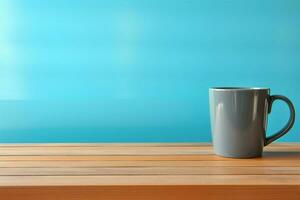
(239, 119)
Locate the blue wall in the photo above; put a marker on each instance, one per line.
(131, 71)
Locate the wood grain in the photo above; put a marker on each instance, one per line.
(145, 171)
(121, 180)
(152, 193)
(140, 149)
(91, 171)
(241, 163)
(273, 155)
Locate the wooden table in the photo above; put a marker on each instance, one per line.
(145, 171)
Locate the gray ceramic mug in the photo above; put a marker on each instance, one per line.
(239, 120)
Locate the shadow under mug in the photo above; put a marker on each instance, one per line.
(239, 119)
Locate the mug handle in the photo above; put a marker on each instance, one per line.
(290, 123)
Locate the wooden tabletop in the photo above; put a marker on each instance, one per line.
(145, 171)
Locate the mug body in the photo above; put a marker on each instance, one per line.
(238, 121)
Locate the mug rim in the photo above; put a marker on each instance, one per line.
(238, 88)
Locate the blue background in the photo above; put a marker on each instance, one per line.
(139, 71)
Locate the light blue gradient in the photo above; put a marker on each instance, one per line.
(139, 71)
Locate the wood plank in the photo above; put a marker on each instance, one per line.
(276, 155)
(152, 193)
(232, 163)
(120, 150)
(134, 180)
(87, 171)
(147, 150)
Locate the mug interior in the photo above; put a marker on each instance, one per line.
(239, 88)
